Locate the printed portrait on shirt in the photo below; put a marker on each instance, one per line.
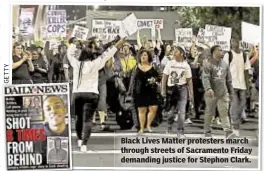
(176, 76)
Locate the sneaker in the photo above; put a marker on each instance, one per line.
(236, 132)
(213, 119)
(140, 132)
(217, 121)
(104, 127)
(230, 135)
(176, 118)
(79, 142)
(169, 130)
(188, 121)
(83, 148)
(150, 130)
(181, 135)
(134, 129)
(244, 120)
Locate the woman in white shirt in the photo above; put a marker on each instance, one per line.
(85, 85)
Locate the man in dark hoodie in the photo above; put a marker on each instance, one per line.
(217, 82)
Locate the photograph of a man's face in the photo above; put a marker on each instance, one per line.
(26, 102)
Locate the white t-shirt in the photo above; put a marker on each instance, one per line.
(90, 75)
(178, 72)
(237, 69)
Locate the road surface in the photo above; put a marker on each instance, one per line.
(104, 151)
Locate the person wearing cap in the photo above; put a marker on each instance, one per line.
(176, 88)
(217, 82)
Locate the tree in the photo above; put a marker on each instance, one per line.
(198, 17)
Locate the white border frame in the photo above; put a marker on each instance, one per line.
(226, 3)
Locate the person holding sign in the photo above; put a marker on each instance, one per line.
(217, 82)
(22, 65)
(85, 85)
(176, 84)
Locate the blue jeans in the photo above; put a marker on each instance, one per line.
(237, 106)
(180, 104)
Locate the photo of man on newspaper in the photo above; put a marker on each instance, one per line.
(57, 154)
(55, 113)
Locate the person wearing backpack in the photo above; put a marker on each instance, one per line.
(239, 67)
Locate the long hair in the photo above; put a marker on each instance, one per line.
(91, 42)
(16, 44)
(84, 56)
(47, 48)
(148, 53)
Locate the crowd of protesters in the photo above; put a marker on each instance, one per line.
(181, 80)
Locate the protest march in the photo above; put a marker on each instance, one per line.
(109, 69)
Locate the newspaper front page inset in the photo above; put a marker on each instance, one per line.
(37, 126)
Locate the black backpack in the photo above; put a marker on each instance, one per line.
(230, 54)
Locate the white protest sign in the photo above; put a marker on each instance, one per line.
(81, 33)
(26, 21)
(54, 44)
(200, 35)
(250, 33)
(150, 23)
(245, 45)
(217, 35)
(129, 25)
(106, 29)
(183, 37)
(56, 23)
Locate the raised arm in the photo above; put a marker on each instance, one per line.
(72, 54)
(138, 40)
(100, 61)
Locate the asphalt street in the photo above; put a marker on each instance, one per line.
(104, 148)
